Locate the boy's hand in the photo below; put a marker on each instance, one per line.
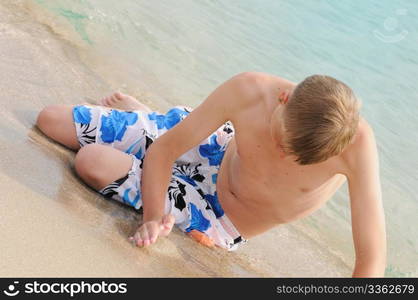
(148, 232)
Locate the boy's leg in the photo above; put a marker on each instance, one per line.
(113, 173)
(99, 165)
(104, 167)
(56, 121)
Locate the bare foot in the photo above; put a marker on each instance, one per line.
(125, 102)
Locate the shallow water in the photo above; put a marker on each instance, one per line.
(168, 55)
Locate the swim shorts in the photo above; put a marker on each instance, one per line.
(191, 196)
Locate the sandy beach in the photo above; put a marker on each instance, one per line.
(52, 224)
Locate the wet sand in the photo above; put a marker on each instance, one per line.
(53, 225)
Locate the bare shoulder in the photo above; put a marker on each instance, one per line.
(267, 82)
(253, 84)
(251, 89)
(223, 104)
(362, 148)
(364, 134)
(248, 88)
(263, 88)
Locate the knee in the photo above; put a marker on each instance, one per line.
(47, 118)
(87, 164)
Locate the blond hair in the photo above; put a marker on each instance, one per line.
(320, 119)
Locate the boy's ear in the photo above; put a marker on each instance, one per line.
(284, 96)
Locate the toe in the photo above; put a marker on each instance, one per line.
(114, 98)
(118, 95)
(108, 100)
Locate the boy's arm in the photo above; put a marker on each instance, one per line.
(367, 215)
(219, 107)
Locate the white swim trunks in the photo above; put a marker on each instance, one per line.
(191, 196)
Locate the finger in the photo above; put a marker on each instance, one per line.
(168, 221)
(138, 239)
(153, 239)
(139, 242)
(154, 232)
(153, 235)
(145, 238)
(166, 225)
(114, 98)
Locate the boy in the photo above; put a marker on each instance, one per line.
(258, 152)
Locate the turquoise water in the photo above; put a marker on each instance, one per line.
(181, 50)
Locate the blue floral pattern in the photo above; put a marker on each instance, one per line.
(215, 205)
(197, 220)
(114, 125)
(131, 201)
(86, 130)
(82, 114)
(170, 119)
(189, 173)
(212, 151)
(191, 194)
